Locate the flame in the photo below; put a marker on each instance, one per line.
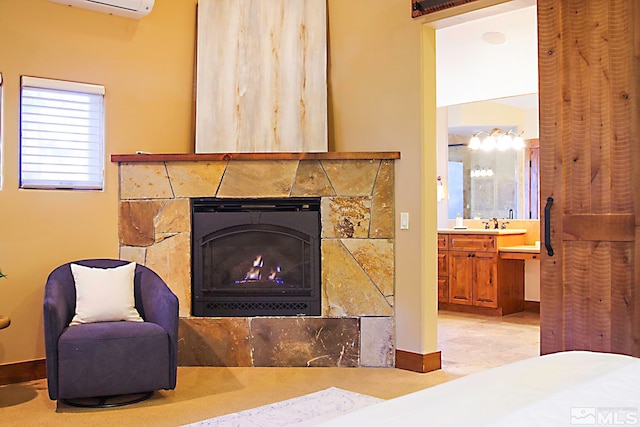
(258, 262)
(274, 273)
(254, 273)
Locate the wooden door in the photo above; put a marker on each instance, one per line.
(460, 277)
(485, 281)
(590, 174)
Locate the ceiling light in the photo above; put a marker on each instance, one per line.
(494, 37)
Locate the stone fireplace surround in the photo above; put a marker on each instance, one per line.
(356, 327)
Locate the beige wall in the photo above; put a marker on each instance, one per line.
(376, 103)
(147, 69)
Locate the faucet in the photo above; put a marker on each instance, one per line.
(495, 223)
(504, 225)
(486, 224)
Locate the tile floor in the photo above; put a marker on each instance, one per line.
(470, 343)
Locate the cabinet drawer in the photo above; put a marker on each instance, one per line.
(468, 242)
(443, 242)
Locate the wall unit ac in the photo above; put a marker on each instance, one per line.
(135, 9)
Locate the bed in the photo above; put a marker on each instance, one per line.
(568, 388)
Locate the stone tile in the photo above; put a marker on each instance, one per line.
(171, 260)
(311, 180)
(272, 178)
(351, 282)
(376, 257)
(347, 290)
(382, 211)
(345, 217)
(206, 341)
(352, 177)
(301, 341)
(133, 254)
(195, 179)
(174, 217)
(377, 348)
(471, 342)
(136, 225)
(163, 236)
(144, 181)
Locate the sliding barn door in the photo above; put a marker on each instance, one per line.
(589, 53)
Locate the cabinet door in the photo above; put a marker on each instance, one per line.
(443, 289)
(443, 267)
(485, 281)
(460, 277)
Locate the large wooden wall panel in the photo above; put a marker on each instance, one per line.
(261, 76)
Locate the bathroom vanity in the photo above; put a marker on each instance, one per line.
(473, 277)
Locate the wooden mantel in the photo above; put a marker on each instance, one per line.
(209, 157)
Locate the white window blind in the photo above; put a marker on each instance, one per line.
(61, 134)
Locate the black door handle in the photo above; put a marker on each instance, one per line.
(547, 226)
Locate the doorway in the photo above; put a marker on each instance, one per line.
(476, 54)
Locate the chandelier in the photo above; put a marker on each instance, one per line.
(497, 139)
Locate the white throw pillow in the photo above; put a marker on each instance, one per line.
(104, 294)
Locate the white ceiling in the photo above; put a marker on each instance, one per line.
(525, 102)
(469, 69)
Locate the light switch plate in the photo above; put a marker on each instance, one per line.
(404, 220)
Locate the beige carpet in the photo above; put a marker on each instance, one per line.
(468, 344)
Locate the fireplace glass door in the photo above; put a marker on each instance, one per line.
(256, 257)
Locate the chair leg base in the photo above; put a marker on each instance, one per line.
(108, 401)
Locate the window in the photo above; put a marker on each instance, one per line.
(61, 135)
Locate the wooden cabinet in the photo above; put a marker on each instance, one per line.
(443, 269)
(476, 278)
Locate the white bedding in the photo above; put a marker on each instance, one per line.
(561, 389)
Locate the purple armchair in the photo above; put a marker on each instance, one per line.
(110, 358)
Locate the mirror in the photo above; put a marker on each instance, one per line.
(501, 182)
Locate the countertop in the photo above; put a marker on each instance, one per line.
(528, 249)
(490, 231)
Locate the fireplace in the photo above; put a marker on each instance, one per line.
(255, 257)
(356, 192)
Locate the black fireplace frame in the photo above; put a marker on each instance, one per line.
(300, 215)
